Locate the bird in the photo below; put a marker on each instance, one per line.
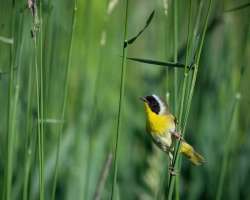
(161, 126)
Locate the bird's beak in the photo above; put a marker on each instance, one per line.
(143, 99)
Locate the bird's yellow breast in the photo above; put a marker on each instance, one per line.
(159, 124)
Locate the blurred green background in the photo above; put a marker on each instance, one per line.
(59, 97)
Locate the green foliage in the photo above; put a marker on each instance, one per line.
(61, 84)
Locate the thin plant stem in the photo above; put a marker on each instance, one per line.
(10, 116)
(122, 83)
(10, 136)
(160, 192)
(28, 130)
(165, 51)
(175, 54)
(175, 46)
(90, 129)
(226, 155)
(64, 100)
(92, 119)
(39, 93)
(184, 86)
(41, 98)
(103, 177)
(164, 177)
(197, 59)
(193, 40)
(41, 187)
(18, 56)
(238, 7)
(232, 118)
(93, 110)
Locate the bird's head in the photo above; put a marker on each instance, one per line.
(155, 104)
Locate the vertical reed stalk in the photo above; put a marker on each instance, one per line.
(10, 115)
(103, 177)
(93, 111)
(18, 57)
(175, 55)
(122, 83)
(64, 99)
(10, 130)
(9, 137)
(183, 93)
(166, 49)
(225, 161)
(27, 136)
(39, 99)
(41, 185)
(41, 122)
(196, 65)
(232, 119)
(186, 70)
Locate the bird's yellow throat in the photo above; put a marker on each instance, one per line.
(158, 124)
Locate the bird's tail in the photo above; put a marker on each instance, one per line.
(191, 154)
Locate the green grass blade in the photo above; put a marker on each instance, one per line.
(37, 28)
(42, 194)
(6, 40)
(183, 92)
(130, 41)
(41, 180)
(237, 8)
(64, 100)
(231, 132)
(175, 50)
(184, 86)
(122, 83)
(226, 155)
(160, 63)
(10, 115)
(176, 155)
(28, 151)
(103, 177)
(94, 112)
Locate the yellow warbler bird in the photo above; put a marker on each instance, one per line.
(161, 125)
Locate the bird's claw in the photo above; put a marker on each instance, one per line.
(177, 135)
(171, 171)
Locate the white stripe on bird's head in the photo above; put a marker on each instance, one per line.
(162, 105)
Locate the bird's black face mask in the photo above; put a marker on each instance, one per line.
(153, 104)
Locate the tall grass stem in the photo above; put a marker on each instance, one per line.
(122, 83)
(94, 106)
(27, 151)
(41, 122)
(227, 149)
(10, 115)
(41, 185)
(69, 62)
(183, 93)
(197, 59)
(175, 48)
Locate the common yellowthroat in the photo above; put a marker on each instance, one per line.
(161, 125)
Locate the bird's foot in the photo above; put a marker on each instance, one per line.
(171, 171)
(177, 135)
